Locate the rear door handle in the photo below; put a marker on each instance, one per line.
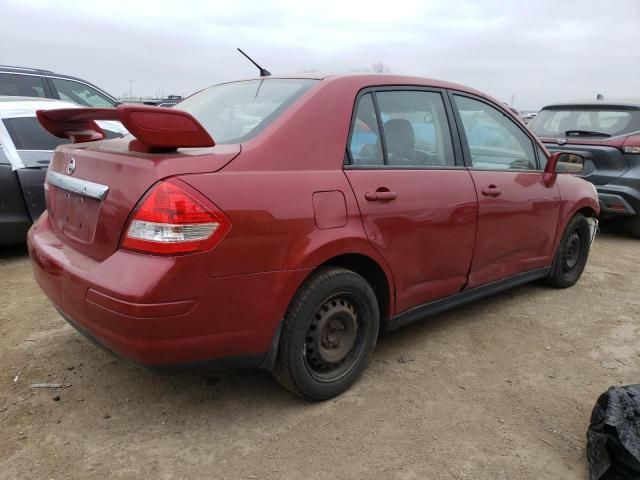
(491, 191)
(382, 194)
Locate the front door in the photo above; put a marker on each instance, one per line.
(418, 207)
(518, 213)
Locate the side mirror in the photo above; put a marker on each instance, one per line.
(562, 162)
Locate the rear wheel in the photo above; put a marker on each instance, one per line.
(572, 254)
(633, 226)
(328, 335)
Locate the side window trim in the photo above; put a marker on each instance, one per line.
(463, 136)
(451, 124)
(383, 141)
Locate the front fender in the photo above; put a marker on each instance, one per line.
(576, 194)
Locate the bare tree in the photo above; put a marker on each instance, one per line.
(380, 67)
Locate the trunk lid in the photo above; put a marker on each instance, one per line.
(92, 222)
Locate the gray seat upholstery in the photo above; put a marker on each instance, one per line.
(400, 139)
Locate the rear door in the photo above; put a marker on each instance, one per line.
(418, 203)
(518, 214)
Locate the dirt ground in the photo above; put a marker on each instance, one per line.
(500, 389)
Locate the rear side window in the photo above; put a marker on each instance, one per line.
(21, 85)
(81, 94)
(28, 134)
(495, 141)
(236, 112)
(365, 146)
(415, 131)
(585, 122)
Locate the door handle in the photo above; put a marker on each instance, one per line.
(491, 191)
(382, 194)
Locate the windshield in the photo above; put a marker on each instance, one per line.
(236, 112)
(585, 122)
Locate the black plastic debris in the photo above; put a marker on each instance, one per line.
(613, 439)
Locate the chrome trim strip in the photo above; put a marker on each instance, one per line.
(77, 185)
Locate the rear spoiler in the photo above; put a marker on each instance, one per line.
(155, 128)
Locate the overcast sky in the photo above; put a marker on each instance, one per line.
(539, 51)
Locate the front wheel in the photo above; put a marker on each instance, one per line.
(329, 333)
(572, 254)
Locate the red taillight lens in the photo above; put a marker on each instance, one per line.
(173, 218)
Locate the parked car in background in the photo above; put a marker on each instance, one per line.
(283, 223)
(25, 152)
(607, 134)
(32, 82)
(528, 116)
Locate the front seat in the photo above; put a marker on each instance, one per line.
(400, 139)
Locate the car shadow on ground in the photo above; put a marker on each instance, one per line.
(198, 390)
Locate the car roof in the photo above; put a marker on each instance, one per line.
(607, 103)
(11, 107)
(38, 71)
(373, 79)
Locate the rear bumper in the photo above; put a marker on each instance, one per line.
(138, 307)
(618, 200)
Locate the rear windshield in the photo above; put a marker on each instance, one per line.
(28, 134)
(236, 112)
(585, 122)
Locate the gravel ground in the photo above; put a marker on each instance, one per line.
(500, 389)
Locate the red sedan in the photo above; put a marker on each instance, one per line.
(284, 223)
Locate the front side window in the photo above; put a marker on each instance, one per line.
(21, 85)
(235, 112)
(415, 132)
(495, 141)
(81, 94)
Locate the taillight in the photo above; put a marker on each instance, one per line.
(173, 218)
(632, 145)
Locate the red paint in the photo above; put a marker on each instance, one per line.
(516, 228)
(292, 207)
(153, 127)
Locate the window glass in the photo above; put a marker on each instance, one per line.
(235, 112)
(495, 141)
(584, 122)
(365, 138)
(81, 94)
(4, 160)
(415, 129)
(28, 134)
(542, 158)
(21, 85)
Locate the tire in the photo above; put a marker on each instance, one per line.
(633, 226)
(572, 254)
(328, 336)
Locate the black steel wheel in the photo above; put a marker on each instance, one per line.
(572, 254)
(329, 333)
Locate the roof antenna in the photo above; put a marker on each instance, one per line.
(263, 71)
